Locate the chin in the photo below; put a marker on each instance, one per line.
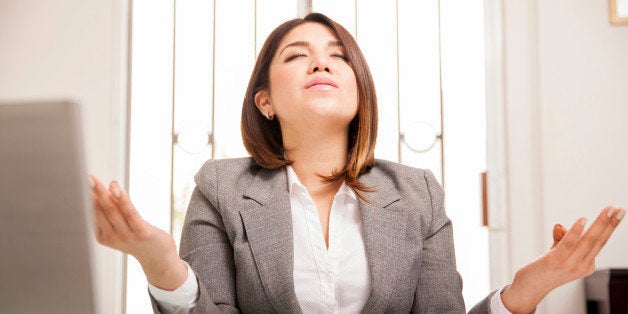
(333, 117)
(332, 108)
(331, 121)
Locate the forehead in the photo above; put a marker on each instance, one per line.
(309, 32)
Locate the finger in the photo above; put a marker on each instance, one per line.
(100, 219)
(110, 207)
(99, 233)
(570, 240)
(130, 214)
(558, 234)
(91, 181)
(120, 221)
(594, 234)
(614, 221)
(100, 196)
(98, 189)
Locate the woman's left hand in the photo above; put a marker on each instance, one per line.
(571, 257)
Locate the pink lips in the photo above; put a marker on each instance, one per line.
(321, 83)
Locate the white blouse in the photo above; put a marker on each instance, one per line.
(326, 280)
(334, 280)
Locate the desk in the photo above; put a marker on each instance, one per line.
(607, 292)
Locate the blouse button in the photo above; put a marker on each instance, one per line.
(329, 278)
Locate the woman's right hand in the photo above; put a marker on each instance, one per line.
(571, 257)
(118, 225)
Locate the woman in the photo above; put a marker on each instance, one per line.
(312, 222)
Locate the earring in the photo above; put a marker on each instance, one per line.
(269, 117)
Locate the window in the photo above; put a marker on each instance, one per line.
(191, 61)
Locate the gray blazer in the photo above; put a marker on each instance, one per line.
(238, 239)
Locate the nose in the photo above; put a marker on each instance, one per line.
(320, 64)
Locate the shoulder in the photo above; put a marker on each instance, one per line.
(226, 167)
(414, 185)
(220, 176)
(417, 191)
(399, 175)
(395, 168)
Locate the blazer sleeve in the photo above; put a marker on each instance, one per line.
(439, 288)
(440, 285)
(207, 249)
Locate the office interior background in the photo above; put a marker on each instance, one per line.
(535, 93)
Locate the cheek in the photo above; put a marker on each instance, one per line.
(354, 94)
(281, 87)
(280, 77)
(352, 82)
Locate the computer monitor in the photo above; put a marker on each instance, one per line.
(46, 249)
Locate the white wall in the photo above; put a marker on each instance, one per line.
(583, 69)
(75, 49)
(565, 76)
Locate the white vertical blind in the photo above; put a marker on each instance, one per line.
(462, 40)
(193, 68)
(377, 37)
(151, 128)
(419, 78)
(235, 56)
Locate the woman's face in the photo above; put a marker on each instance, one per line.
(312, 86)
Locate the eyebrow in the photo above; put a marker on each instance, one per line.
(331, 43)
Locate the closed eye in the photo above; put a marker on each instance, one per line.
(340, 55)
(294, 56)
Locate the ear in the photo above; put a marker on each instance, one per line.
(262, 102)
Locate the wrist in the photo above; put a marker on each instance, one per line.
(523, 295)
(513, 302)
(167, 273)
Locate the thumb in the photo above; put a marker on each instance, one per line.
(558, 234)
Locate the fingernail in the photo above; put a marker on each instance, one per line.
(610, 212)
(91, 182)
(583, 222)
(620, 215)
(116, 193)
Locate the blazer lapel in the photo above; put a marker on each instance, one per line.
(384, 238)
(267, 221)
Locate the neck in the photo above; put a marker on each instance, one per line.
(315, 154)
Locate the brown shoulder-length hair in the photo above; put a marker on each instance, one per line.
(262, 137)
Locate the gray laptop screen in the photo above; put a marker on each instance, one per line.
(45, 245)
